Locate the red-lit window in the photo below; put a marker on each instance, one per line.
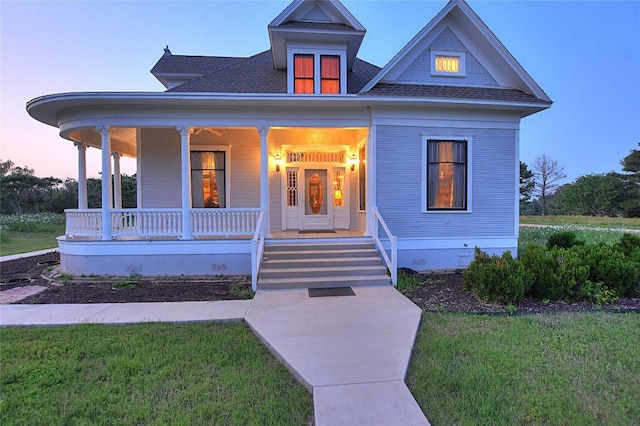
(303, 73)
(329, 74)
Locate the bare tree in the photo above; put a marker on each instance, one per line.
(548, 173)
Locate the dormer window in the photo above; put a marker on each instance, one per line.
(451, 64)
(329, 74)
(303, 73)
(315, 70)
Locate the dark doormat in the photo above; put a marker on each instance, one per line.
(316, 231)
(331, 291)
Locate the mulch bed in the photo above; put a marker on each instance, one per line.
(440, 292)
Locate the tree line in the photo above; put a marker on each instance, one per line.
(21, 191)
(605, 194)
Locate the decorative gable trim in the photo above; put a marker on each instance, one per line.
(477, 37)
(321, 22)
(317, 11)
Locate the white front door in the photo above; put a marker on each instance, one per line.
(316, 199)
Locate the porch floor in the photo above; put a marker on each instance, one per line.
(294, 234)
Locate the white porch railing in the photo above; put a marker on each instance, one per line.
(224, 221)
(144, 223)
(83, 223)
(391, 259)
(257, 250)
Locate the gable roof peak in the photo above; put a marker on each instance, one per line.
(478, 37)
(315, 22)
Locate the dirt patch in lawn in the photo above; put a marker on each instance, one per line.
(437, 292)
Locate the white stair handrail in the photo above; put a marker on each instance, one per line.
(257, 250)
(391, 262)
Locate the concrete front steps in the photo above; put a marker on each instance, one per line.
(321, 264)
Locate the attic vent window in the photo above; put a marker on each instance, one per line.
(450, 64)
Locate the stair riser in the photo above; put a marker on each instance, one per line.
(315, 263)
(324, 272)
(325, 284)
(316, 255)
(319, 247)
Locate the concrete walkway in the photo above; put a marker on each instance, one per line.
(351, 352)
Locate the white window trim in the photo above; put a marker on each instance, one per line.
(227, 167)
(316, 51)
(455, 54)
(362, 145)
(425, 140)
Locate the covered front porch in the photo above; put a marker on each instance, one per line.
(208, 198)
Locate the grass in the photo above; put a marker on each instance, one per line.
(590, 221)
(196, 373)
(29, 232)
(549, 369)
(541, 235)
(22, 242)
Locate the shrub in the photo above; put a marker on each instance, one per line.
(610, 266)
(557, 273)
(597, 293)
(497, 279)
(630, 245)
(563, 239)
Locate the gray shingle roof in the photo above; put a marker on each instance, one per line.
(256, 74)
(177, 64)
(456, 92)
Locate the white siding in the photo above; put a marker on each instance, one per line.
(399, 173)
(160, 168)
(420, 70)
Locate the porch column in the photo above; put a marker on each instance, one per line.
(264, 176)
(105, 134)
(371, 202)
(185, 157)
(82, 176)
(117, 181)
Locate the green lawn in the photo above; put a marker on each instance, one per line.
(196, 373)
(21, 242)
(540, 235)
(591, 221)
(549, 369)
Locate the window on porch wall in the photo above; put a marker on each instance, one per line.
(208, 179)
(303, 73)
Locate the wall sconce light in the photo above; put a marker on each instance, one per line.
(277, 159)
(353, 160)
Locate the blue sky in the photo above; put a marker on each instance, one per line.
(584, 54)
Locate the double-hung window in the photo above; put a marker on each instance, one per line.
(447, 168)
